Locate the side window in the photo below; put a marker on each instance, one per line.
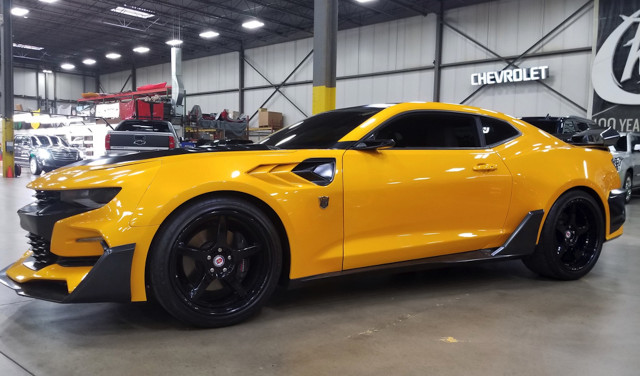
(621, 144)
(569, 127)
(496, 131)
(432, 130)
(635, 140)
(582, 127)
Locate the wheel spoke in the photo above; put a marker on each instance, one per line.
(562, 250)
(221, 238)
(247, 252)
(232, 283)
(196, 254)
(581, 230)
(201, 287)
(572, 215)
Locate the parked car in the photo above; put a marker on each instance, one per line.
(42, 153)
(561, 127)
(209, 232)
(131, 136)
(626, 157)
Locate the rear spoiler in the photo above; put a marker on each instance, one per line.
(601, 137)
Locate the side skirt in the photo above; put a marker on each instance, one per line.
(521, 243)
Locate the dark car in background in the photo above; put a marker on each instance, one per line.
(563, 127)
(43, 153)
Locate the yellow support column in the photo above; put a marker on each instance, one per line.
(7, 156)
(325, 40)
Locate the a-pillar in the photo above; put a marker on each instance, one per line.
(325, 39)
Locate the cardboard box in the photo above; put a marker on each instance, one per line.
(269, 119)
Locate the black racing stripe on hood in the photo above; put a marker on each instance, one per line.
(167, 153)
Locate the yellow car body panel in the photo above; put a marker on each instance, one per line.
(384, 206)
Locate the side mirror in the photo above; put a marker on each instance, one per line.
(636, 147)
(375, 144)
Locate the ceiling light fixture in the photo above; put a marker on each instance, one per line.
(28, 47)
(364, 1)
(48, 1)
(67, 66)
(141, 49)
(20, 12)
(174, 42)
(209, 34)
(133, 12)
(112, 56)
(47, 71)
(88, 61)
(252, 24)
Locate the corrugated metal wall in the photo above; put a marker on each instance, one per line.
(372, 63)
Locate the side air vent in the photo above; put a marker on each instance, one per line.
(319, 171)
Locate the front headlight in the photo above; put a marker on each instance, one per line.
(44, 154)
(89, 198)
(617, 163)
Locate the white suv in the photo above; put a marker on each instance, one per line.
(626, 157)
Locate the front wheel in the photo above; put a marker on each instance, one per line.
(571, 238)
(628, 185)
(215, 262)
(34, 166)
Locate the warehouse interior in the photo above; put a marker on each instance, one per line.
(475, 319)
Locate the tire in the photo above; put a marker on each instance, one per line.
(571, 238)
(628, 185)
(208, 279)
(34, 166)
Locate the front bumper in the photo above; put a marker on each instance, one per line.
(108, 280)
(617, 213)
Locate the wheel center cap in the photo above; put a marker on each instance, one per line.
(568, 234)
(218, 261)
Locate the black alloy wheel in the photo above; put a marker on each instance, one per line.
(571, 238)
(628, 186)
(216, 262)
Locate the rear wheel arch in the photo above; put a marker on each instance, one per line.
(261, 205)
(590, 191)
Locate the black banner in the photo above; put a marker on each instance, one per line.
(616, 66)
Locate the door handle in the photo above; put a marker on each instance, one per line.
(485, 167)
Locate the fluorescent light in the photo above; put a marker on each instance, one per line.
(133, 12)
(141, 49)
(174, 42)
(67, 66)
(48, 1)
(112, 56)
(88, 61)
(364, 1)
(17, 11)
(209, 34)
(27, 47)
(252, 24)
(47, 71)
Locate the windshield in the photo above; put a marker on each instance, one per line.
(322, 131)
(159, 126)
(51, 141)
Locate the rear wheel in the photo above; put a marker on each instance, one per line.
(571, 238)
(628, 185)
(34, 166)
(216, 262)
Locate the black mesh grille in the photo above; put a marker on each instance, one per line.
(41, 249)
(45, 198)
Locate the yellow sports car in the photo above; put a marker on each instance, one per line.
(209, 233)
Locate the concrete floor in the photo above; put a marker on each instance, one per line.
(488, 319)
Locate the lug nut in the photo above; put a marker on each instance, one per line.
(211, 270)
(224, 269)
(229, 257)
(219, 249)
(209, 257)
